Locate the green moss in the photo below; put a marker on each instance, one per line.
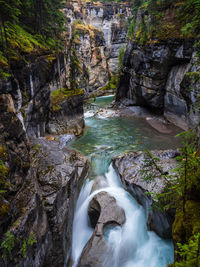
(3, 153)
(112, 84)
(4, 209)
(3, 171)
(192, 218)
(4, 67)
(178, 228)
(58, 96)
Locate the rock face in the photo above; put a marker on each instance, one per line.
(30, 88)
(102, 31)
(40, 180)
(69, 118)
(128, 166)
(42, 207)
(103, 211)
(155, 77)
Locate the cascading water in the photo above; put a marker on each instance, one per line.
(132, 244)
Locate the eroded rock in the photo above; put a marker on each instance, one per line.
(155, 77)
(103, 211)
(102, 28)
(129, 166)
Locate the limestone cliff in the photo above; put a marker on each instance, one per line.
(39, 180)
(102, 29)
(161, 65)
(155, 76)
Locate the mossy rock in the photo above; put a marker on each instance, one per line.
(59, 96)
(4, 209)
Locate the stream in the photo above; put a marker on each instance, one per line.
(132, 244)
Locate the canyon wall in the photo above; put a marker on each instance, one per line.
(40, 179)
(156, 76)
(161, 63)
(102, 29)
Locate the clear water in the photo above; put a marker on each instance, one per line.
(132, 244)
(106, 137)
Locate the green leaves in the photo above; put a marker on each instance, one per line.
(189, 252)
(30, 241)
(10, 242)
(10, 10)
(7, 245)
(28, 27)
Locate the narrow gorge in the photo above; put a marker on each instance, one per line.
(95, 169)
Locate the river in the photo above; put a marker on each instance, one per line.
(132, 244)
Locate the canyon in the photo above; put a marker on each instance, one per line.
(38, 118)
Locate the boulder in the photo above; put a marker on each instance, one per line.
(128, 166)
(103, 211)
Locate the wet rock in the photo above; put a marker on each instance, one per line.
(99, 182)
(42, 180)
(129, 166)
(40, 201)
(103, 211)
(60, 177)
(69, 118)
(155, 77)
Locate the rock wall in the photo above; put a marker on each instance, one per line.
(39, 180)
(129, 167)
(102, 30)
(155, 76)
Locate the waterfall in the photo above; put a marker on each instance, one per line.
(19, 105)
(19, 99)
(133, 244)
(31, 86)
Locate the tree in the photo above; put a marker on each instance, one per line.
(9, 11)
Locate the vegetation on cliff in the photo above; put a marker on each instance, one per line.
(29, 27)
(163, 19)
(182, 194)
(58, 96)
(153, 21)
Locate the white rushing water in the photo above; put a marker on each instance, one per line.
(132, 244)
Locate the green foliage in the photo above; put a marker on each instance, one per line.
(182, 192)
(112, 84)
(118, 1)
(131, 29)
(75, 68)
(7, 245)
(31, 26)
(121, 57)
(183, 179)
(10, 10)
(191, 18)
(3, 171)
(150, 168)
(10, 242)
(36, 150)
(189, 253)
(161, 19)
(20, 39)
(195, 76)
(30, 241)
